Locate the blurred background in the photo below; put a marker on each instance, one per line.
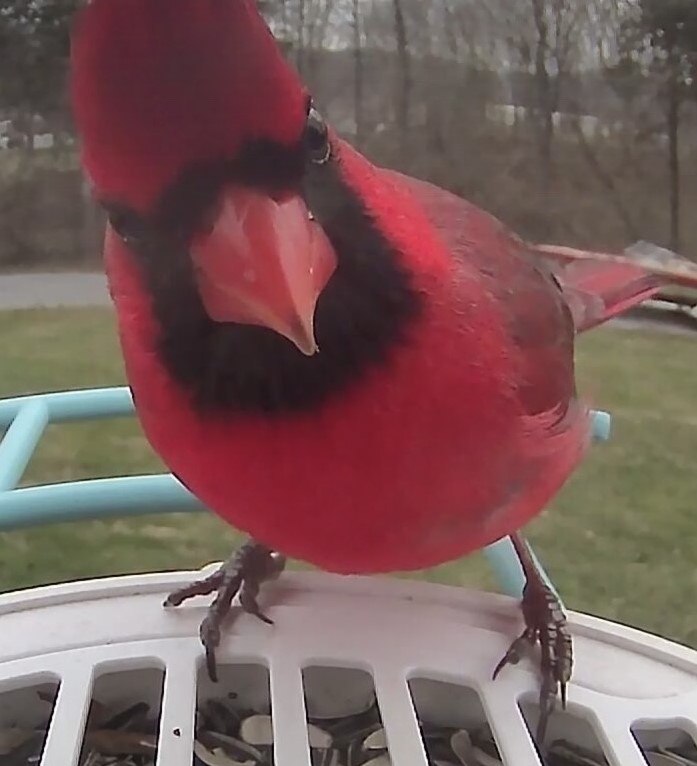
(574, 121)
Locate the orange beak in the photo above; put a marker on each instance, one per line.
(265, 262)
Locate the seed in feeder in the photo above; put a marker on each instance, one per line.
(221, 718)
(355, 755)
(461, 745)
(346, 729)
(10, 739)
(376, 741)
(234, 748)
(484, 759)
(216, 757)
(237, 736)
(381, 760)
(681, 759)
(318, 738)
(483, 739)
(438, 747)
(325, 757)
(120, 742)
(568, 753)
(667, 758)
(127, 718)
(28, 752)
(324, 706)
(257, 730)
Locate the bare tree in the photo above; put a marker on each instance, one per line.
(357, 72)
(545, 39)
(405, 81)
(658, 44)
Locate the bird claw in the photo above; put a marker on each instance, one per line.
(545, 625)
(514, 653)
(242, 574)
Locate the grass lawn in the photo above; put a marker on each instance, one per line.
(620, 541)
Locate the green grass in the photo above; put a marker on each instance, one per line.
(620, 541)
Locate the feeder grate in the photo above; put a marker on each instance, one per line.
(424, 652)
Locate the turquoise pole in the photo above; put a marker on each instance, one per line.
(94, 499)
(66, 406)
(19, 443)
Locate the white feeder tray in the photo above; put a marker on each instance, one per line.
(420, 647)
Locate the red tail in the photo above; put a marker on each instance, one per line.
(598, 291)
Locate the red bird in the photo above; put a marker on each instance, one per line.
(356, 368)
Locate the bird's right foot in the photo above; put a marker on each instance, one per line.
(243, 573)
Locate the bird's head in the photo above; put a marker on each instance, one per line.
(251, 223)
(193, 124)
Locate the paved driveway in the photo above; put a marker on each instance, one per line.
(19, 291)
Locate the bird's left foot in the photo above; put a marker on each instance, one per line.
(545, 624)
(242, 574)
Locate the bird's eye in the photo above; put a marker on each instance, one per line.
(127, 225)
(317, 142)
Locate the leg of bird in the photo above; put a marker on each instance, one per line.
(242, 574)
(545, 623)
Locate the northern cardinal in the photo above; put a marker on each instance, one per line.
(355, 367)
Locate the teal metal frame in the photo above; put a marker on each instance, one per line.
(26, 418)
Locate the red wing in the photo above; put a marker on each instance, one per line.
(530, 297)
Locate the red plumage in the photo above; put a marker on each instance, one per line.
(177, 81)
(462, 432)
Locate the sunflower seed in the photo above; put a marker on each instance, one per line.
(568, 754)
(120, 742)
(347, 729)
(27, 753)
(325, 757)
(11, 739)
(665, 758)
(381, 760)
(128, 718)
(234, 748)
(257, 730)
(376, 741)
(220, 717)
(482, 758)
(318, 738)
(461, 745)
(229, 734)
(217, 757)
(678, 757)
(326, 696)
